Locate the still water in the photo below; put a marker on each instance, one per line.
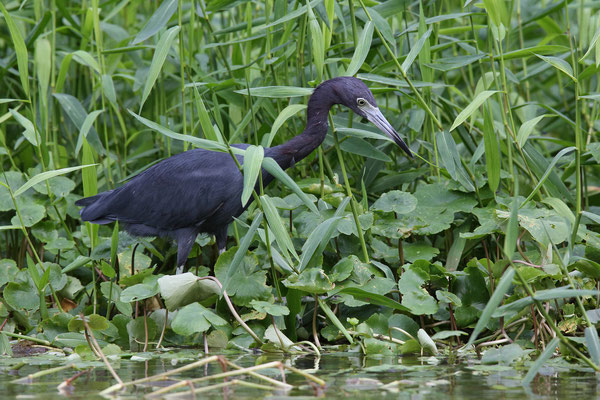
(347, 376)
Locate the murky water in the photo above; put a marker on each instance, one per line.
(347, 375)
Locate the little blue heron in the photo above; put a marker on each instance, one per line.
(199, 190)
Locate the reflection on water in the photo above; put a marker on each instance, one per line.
(347, 375)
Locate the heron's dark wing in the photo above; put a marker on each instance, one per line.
(179, 192)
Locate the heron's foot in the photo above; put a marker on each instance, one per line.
(179, 270)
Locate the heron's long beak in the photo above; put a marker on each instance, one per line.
(377, 118)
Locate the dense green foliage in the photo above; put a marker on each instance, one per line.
(499, 99)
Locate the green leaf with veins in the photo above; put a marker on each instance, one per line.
(250, 281)
(395, 201)
(311, 280)
(194, 318)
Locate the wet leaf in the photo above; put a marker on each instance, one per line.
(395, 201)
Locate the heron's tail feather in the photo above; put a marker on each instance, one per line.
(94, 209)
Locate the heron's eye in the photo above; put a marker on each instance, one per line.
(361, 102)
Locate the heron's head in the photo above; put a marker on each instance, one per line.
(354, 94)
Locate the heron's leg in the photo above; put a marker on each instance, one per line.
(221, 239)
(185, 241)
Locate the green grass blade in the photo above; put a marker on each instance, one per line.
(282, 236)
(334, 319)
(160, 55)
(283, 116)
(492, 152)
(252, 162)
(274, 169)
(202, 143)
(30, 133)
(472, 107)
(541, 360)
(556, 158)
(157, 21)
(362, 49)
(241, 251)
(20, 49)
(414, 51)
(276, 92)
(45, 176)
(527, 127)
(316, 36)
(85, 128)
(503, 286)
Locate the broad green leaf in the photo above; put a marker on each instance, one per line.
(527, 127)
(362, 49)
(472, 107)
(194, 318)
(269, 308)
(22, 295)
(414, 52)
(160, 55)
(249, 281)
(19, 47)
(139, 292)
(157, 21)
(180, 290)
(46, 175)
(276, 91)
(283, 116)
(252, 162)
(505, 355)
(395, 201)
(94, 321)
(559, 64)
(311, 280)
(492, 305)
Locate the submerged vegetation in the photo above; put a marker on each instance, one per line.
(489, 237)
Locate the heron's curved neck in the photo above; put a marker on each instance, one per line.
(313, 135)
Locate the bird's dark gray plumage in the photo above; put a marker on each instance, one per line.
(200, 190)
